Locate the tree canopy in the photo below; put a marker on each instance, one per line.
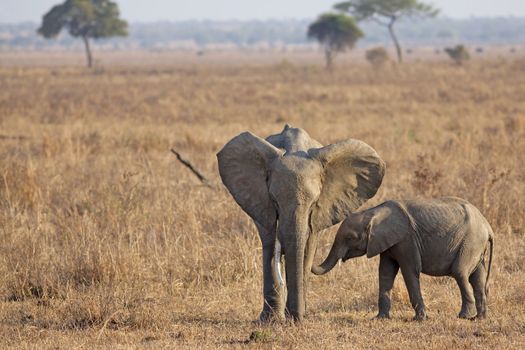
(336, 32)
(86, 19)
(387, 12)
(378, 10)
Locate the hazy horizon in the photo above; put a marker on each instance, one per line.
(178, 10)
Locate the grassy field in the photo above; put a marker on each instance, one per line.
(108, 241)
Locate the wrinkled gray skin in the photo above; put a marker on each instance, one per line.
(440, 237)
(293, 187)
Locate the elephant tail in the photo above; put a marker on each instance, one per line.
(491, 251)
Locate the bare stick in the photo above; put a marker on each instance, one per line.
(192, 168)
(15, 137)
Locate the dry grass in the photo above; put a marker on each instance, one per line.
(107, 241)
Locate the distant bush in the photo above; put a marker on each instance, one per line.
(458, 54)
(377, 56)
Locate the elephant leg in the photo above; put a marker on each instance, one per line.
(273, 307)
(388, 269)
(411, 277)
(478, 280)
(467, 297)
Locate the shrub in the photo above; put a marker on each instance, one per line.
(377, 56)
(458, 54)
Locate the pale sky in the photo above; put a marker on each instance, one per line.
(12, 11)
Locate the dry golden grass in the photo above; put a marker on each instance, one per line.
(107, 241)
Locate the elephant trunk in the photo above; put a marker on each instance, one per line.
(294, 234)
(294, 258)
(309, 254)
(336, 253)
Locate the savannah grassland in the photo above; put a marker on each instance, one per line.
(106, 241)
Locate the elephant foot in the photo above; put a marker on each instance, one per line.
(482, 315)
(382, 316)
(271, 313)
(468, 312)
(270, 316)
(293, 317)
(479, 316)
(467, 315)
(420, 317)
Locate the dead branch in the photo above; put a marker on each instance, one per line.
(193, 169)
(13, 137)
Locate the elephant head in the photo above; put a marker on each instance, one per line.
(298, 193)
(369, 232)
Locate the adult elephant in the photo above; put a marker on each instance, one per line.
(293, 187)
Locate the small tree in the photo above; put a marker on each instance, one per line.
(336, 32)
(387, 12)
(85, 19)
(377, 56)
(459, 54)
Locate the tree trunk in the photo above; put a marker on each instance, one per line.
(329, 57)
(394, 39)
(89, 56)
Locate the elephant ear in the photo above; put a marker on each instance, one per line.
(352, 174)
(243, 166)
(390, 224)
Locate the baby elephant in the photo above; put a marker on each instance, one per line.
(441, 237)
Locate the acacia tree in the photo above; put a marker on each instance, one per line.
(336, 32)
(85, 19)
(387, 12)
